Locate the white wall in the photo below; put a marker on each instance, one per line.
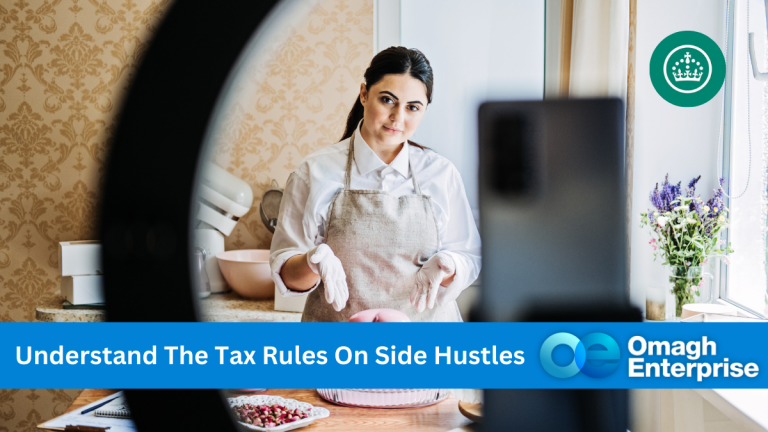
(668, 139)
(480, 50)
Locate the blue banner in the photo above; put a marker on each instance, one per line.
(383, 355)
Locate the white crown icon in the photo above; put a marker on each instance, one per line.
(687, 69)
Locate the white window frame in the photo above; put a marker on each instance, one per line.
(721, 288)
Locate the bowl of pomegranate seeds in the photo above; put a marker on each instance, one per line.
(274, 413)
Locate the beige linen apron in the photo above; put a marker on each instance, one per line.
(382, 241)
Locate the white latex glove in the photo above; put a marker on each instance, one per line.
(427, 290)
(322, 261)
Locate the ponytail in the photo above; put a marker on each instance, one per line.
(353, 119)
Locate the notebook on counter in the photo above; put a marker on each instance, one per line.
(117, 409)
(113, 415)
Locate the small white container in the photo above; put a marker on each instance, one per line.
(80, 258)
(289, 304)
(78, 290)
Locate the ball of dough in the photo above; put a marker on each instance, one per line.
(379, 315)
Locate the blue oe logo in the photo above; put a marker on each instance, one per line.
(596, 355)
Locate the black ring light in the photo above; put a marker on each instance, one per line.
(148, 194)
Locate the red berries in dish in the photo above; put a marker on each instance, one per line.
(268, 416)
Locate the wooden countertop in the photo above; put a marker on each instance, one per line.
(222, 307)
(441, 417)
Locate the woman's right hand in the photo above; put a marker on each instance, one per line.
(323, 262)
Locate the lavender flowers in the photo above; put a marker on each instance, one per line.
(685, 230)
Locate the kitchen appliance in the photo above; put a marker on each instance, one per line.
(269, 208)
(221, 200)
(202, 273)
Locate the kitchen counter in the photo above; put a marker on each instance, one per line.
(221, 307)
(441, 417)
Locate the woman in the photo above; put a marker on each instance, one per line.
(375, 221)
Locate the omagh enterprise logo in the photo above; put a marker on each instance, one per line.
(596, 355)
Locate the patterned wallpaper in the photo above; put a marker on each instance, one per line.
(64, 67)
(294, 103)
(63, 70)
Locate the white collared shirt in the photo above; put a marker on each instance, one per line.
(313, 184)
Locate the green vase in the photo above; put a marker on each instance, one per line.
(685, 285)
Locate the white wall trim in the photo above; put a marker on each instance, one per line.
(552, 49)
(386, 24)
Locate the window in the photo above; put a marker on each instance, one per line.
(743, 163)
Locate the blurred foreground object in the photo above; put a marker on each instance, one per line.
(552, 208)
(552, 201)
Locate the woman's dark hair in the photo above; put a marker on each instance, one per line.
(393, 60)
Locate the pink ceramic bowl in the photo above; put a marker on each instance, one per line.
(247, 272)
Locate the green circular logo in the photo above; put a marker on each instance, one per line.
(687, 69)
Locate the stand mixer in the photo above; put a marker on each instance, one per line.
(222, 199)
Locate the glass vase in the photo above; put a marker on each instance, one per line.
(688, 287)
(656, 304)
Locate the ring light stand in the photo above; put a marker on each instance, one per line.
(148, 196)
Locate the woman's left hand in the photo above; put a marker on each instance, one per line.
(426, 291)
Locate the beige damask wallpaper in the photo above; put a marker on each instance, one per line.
(64, 67)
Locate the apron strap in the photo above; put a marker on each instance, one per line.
(351, 157)
(410, 166)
